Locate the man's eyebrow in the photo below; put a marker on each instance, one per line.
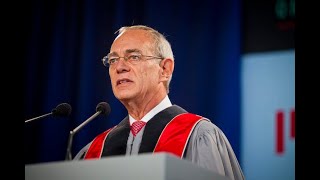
(112, 54)
(132, 50)
(128, 51)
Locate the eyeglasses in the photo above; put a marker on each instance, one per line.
(131, 58)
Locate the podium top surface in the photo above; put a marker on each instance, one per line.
(160, 166)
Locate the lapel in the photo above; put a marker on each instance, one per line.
(116, 142)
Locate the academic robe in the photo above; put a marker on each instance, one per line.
(207, 146)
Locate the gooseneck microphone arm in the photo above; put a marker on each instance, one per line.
(39, 117)
(62, 110)
(102, 108)
(75, 130)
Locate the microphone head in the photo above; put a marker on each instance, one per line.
(104, 108)
(63, 109)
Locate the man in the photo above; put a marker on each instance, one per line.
(141, 64)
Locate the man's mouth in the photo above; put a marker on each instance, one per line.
(123, 81)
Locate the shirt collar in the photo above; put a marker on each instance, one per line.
(161, 106)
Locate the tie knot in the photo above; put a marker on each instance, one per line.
(136, 127)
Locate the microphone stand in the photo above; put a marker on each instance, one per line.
(75, 130)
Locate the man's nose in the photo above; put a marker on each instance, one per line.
(122, 65)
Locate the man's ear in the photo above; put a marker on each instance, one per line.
(167, 66)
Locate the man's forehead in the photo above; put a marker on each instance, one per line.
(132, 39)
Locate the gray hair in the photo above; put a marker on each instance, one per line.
(162, 46)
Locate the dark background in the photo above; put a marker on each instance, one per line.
(64, 41)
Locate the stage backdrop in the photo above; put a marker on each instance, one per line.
(268, 115)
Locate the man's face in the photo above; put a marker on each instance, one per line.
(134, 82)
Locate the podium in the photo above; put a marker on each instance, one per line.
(160, 166)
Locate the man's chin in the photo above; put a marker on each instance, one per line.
(124, 96)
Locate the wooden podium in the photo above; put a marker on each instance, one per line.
(160, 166)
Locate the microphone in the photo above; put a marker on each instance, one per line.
(102, 108)
(63, 109)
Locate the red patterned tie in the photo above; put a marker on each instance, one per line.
(136, 126)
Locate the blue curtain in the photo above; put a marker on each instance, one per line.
(65, 44)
